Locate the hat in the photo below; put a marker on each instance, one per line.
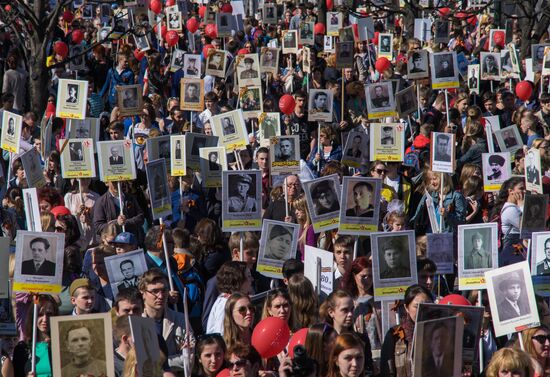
(509, 279)
(477, 236)
(279, 230)
(244, 178)
(79, 283)
(249, 60)
(126, 238)
(321, 187)
(496, 159)
(60, 210)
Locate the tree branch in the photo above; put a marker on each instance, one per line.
(27, 13)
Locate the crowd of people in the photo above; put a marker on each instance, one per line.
(200, 285)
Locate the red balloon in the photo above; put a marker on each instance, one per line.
(202, 11)
(211, 30)
(461, 15)
(192, 25)
(455, 299)
(77, 36)
(61, 49)
(155, 6)
(172, 38)
(138, 54)
(227, 8)
(330, 4)
(7, 8)
(205, 50)
(382, 64)
(170, 3)
(499, 38)
(270, 336)
(243, 51)
(287, 104)
(299, 338)
(68, 17)
(319, 28)
(524, 90)
(444, 11)
(375, 39)
(223, 373)
(163, 30)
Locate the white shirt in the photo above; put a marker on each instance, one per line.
(217, 315)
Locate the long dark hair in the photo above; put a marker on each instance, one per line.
(502, 196)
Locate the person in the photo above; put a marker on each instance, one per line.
(445, 68)
(243, 360)
(130, 279)
(241, 201)
(191, 69)
(278, 304)
(213, 161)
(438, 360)
(39, 264)
(472, 81)
(347, 358)
(496, 164)
(228, 127)
(192, 93)
(73, 94)
(510, 362)
(490, 67)
(417, 63)
(543, 267)
(536, 342)
(531, 172)
(355, 150)
(363, 200)
(75, 151)
(392, 253)
(114, 158)
(286, 150)
(79, 345)
(379, 99)
(238, 319)
(387, 137)
(477, 257)
(442, 148)
(278, 243)
(512, 304)
(210, 352)
(320, 103)
(249, 72)
(324, 198)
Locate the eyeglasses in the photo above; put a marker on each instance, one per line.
(542, 338)
(239, 364)
(381, 171)
(157, 292)
(244, 309)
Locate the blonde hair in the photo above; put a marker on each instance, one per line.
(232, 333)
(47, 219)
(447, 181)
(527, 336)
(300, 204)
(509, 359)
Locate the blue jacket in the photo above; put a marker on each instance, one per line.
(454, 202)
(113, 80)
(335, 154)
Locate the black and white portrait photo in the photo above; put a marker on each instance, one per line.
(385, 44)
(129, 99)
(72, 94)
(361, 205)
(177, 60)
(242, 194)
(269, 59)
(380, 99)
(344, 55)
(75, 151)
(279, 242)
(496, 170)
(285, 149)
(241, 200)
(477, 253)
(406, 101)
(513, 298)
(248, 71)
(387, 136)
(444, 67)
(477, 249)
(540, 253)
(116, 157)
(212, 162)
(11, 127)
(440, 251)
(473, 78)
(270, 13)
(325, 198)
(508, 139)
(417, 65)
(125, 269)
(393, 255)
(361, 202)
(215, 64)
(323, 201)
(320, 105)
(534, 214)
(490, 65)
(306, 33)
(290, 41)
(532, 168)
(192, 66)
(142, 42)
(443, 147)
(537, 54)
(228, 127)
(174, 21)
(42, 257)
(192, 92)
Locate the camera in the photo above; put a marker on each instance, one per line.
(302, 364)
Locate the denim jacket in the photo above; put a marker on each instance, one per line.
(455, 204)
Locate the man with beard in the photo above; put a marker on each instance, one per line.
(496, 163)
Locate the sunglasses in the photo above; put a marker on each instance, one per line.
(239, 364)
(244, 309)
(542, 338)
(381, 171)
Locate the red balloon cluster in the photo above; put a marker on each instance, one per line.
(227, 8)
(155, 6)
(192, 25)
(270, 336)
(68, 17)
(77, 36)
(172, 38)
(61, 49)
(382, 64)
(287, 104)
(524, 90)
(319, 28)
(205, 50)
(299, 338)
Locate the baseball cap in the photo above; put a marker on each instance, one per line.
(125, 238)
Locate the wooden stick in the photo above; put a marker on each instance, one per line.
(241, 247)
(286, 199)
(181, 198)
(187, 343)
(355, 247)
(34, 334)
(318, 268)
(319, 147)
(342, 99)
(167, 258)
(121, 203)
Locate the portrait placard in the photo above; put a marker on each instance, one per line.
(534, 214)
(192, 66)
(507, 70)
(306, 33)
(335, 21)
(77, 158)
(306, 59)
(440, 251)
(423, 29)
(270, 125)
(225, 22)
(72, 97)
(417, 65)
(178, 166)
(129, 99)
(284, 154)
(38, 262)
(82, 345)
(231, 130)
(473, 78)
(477, 253)
(508, 139)
(326, 258)
(537, 54)
(323, 201)
(320, 105)
(77, 62)
(512, 299)
(116, 160)
(32, 165)
(533, 171)
(365, 28)
(251, 102)
(32, 210)
(328, 44)
(84, 129)
(290, 41)
(360, 209)
(161, 200)
(514, 58)
(158, 147)
(269, 60)
(439, 339)
(442, 28)
(346, 34)
(11, 131)
(193, 143)
(146, 344)
(444, 70)
(443, 152)
(124, 270)
(213, 162)
(490, 65)
(248, 70)
(406, 102)
(394, 263)
(344, 55)
(385, 45)
(356, 149)
(270, 13)
(192, 94)
(277, 244)
(496, 170)
(380, 100)
(241, 200)
(387, 141)
(142, 41)
(174, 21)
(177, 60)
(215, 63)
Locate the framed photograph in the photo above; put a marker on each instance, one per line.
(178, 166)
(32, 211)
(161, 199)
(251, 102)
(284, 154)
(84, 129)
(248, 70)
(507, 67)
(158, 147)
(241, 200)
(394, 263)
(82, 345)
(533, 171)
(328, 44)
(443, 152)
(77, 158)
(278, 243)
(444, 70)
(387, 141)
(365, 28)
(380, 100)
(213, 162)
(209, 15)
(477, 253)
(290, 41)
(346, 34)
(442, 28)
(129, 99)
(320, 105)
(146, 344)
(177, 61)
(417, 65)
(497, 169)
(440, 251)
(323, 200)
(104, 34)
(32, 165)
(423, 29)
(116, 160)
(192, 94)
(537, 54)
(38, 262)
(124, 270)
(473, 78)
(540, 253)
(173, 21)
(11, 131)
(270, 13)
(215, 63)
(438, 347)
(306, 33)
(270, 126)
(142, 41)
(72, 97)
(193, 144)
(492, 122)
(534, 214)
(490, 65)
(356, 149)
(77, 62)
(385, 45)
(88, 12)
(225, 23)
(269, 60)
(360, 209)
(406, 102)
(306, 59)
(508, 139)
(514, 58)
(192, 66)
(512, 299)
(335, 21)
(344, 55)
